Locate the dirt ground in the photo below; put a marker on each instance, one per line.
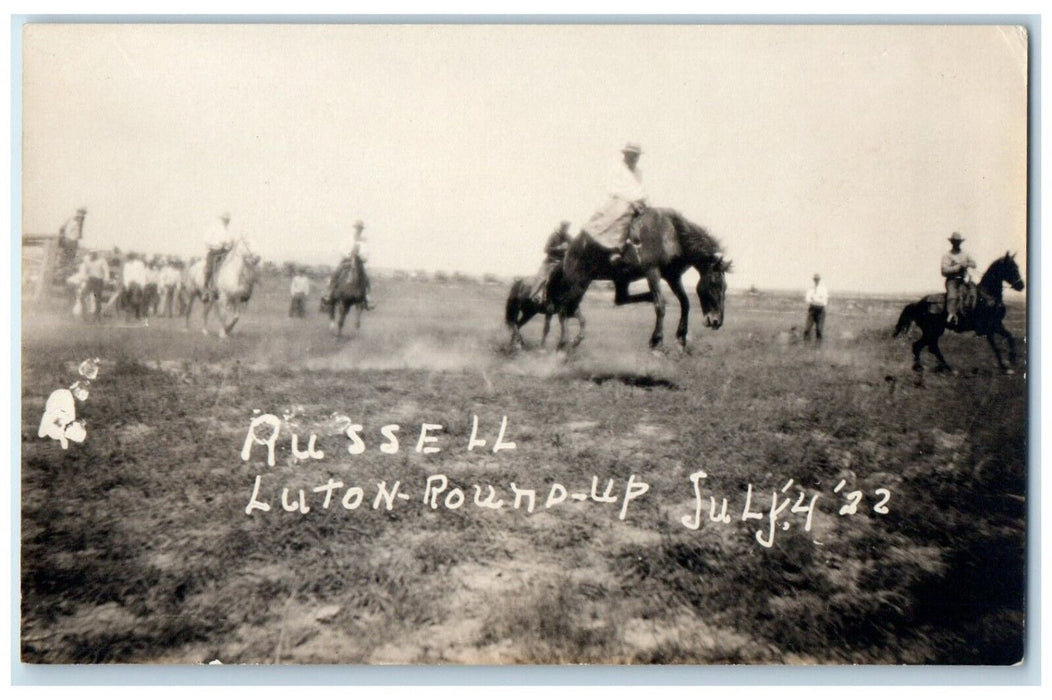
(873, 515)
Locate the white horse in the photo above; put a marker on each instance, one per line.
(234, 280)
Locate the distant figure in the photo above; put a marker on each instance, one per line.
(151, 291)
(555, 250)
(96, 272)
(133, 283)
(218, 243)
(354, 260)
(817, 298)
(299, 290)
(627, 199)
(955, 266)
(170, 286)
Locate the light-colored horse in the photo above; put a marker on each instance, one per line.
(234, 280)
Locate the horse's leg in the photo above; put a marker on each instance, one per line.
(1010, 339)
(933, 348)
(206, 311)
(919, 345)
(997, 352)
(345, 306)
(547, 327)
(189, 310)
(562, 331)
(622, 297)
(676, 283)
(580, 326)
(235, 310)
(358, 314)
(654, 282)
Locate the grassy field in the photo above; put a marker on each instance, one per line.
(136, 545)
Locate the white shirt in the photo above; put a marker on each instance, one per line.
(134, 272)
(627, 184)
(817, 295)
(152, 275)
(300, 285)
(363, 251)
(97, 268)
(218, 235)
(170, 276)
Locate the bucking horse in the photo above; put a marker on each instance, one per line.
(668, 245)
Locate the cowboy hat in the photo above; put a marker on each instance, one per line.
(632, 147)
(956, 237)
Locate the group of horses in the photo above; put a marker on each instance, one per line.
(669, 244)
(235, 277)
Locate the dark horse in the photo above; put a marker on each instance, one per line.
(349, 291)
(987, 318)
(668, 245)
(521, 307)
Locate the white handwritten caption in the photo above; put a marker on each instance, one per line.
(790, 504)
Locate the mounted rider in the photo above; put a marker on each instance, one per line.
(218, 242)
(354, 259)
(627, 200)
(555, 251)
(959, 290)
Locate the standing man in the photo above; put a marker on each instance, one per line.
(817, 298)
(300, 290)
(97, 272)
(170, 281)
(555, 250)
(627, 199)
(218, 243)
(355, 259)
(955, 266)
(133, 277)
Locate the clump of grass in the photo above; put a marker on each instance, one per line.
(556, 623)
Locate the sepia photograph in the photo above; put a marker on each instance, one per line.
(518, 344)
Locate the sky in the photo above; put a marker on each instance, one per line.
(853, 151)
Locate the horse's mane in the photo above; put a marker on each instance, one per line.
(697, 243)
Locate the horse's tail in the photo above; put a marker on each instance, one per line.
(514, 304)
(905, 319)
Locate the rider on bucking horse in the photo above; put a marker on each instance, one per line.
(627, 200)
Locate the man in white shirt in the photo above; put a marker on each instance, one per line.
(627, 198)
(218, 243)
(299, 290)
(169, 282)
(96, 272)
(817, 298)
(133, 272)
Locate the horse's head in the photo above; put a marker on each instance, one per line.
(1009, 272)
(712, 290)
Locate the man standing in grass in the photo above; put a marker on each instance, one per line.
(817, 298)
